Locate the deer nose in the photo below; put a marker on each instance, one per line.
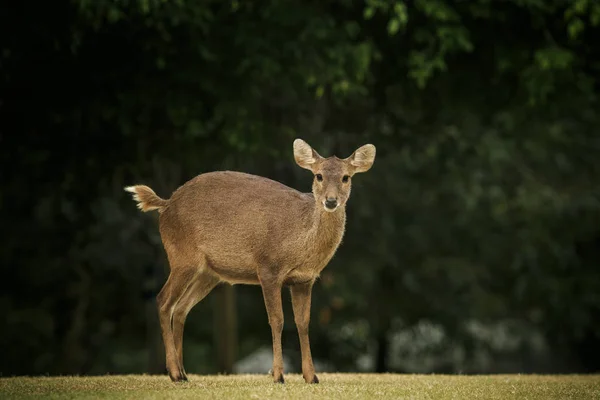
(331, 203)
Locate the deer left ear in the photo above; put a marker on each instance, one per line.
(362, 159)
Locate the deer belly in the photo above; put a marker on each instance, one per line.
(234, 270)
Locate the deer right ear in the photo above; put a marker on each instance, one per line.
(305, 156)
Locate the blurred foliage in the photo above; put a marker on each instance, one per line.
(484, 201)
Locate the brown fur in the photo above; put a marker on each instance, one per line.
(238, 228)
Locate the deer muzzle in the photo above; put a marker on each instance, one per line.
(330, 204)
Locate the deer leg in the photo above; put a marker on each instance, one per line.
(272, 295)
(195, 292)
(301, 296)
(167, 299)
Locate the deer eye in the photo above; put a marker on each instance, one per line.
(319, 177)
(345, 178)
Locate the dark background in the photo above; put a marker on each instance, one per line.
(472, 245)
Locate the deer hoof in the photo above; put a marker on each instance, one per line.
(279, 380)
(178, 377)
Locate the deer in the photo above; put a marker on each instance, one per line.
(231, 227)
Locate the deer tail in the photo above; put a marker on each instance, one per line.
(146, 199)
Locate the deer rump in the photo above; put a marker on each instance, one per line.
(234, 223)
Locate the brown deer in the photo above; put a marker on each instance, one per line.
(238, 228)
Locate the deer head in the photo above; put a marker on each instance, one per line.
(333, 176)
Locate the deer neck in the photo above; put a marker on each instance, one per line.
(327, 229)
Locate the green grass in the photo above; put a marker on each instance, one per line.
(332, 386)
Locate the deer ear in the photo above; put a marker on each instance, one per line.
(362, 159)
(305, 156)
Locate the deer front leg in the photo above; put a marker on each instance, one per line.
(272, 295)
(301, 296)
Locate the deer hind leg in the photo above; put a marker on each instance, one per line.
(178, 282)
(195, 292)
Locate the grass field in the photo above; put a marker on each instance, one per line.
(332, 386)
